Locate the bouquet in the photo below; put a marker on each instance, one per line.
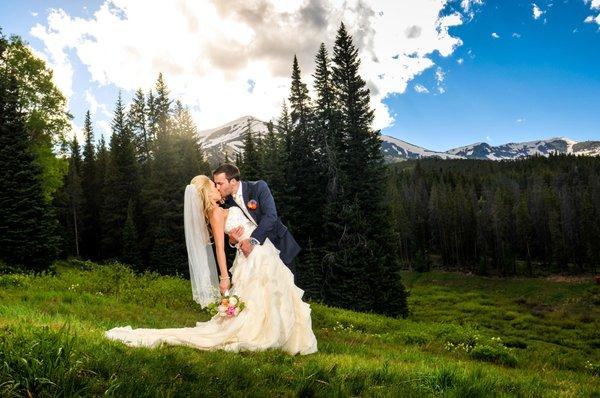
(227, 306)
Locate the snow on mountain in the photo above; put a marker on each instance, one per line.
(395, 149)
(229, 138)
(588, 148)
(516, 150)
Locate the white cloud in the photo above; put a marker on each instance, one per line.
(460, 61)
(488, 138)
(537, 11)
(105, 130)
(467, 6)
(516, 35)
(75, 131)
(520, 120)
(94, 105)
(56, 59)
(208, 51)
(595, 19)
(495, 35)
(33, 14)
(421, 89)
(594, 4)
(439, 75)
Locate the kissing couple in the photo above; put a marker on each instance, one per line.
(274, 315)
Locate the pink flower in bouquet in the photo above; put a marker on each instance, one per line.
(231, 310)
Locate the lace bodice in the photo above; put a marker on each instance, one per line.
(236, 217)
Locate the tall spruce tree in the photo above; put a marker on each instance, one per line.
(191, 160)
(101, 171)
(151, 117)
(329, 138)
(302, 169)
(286, 198)
(163, 193)
(27, 223)
(75, 199)
(250, 167)
(271, 163)
(365, 272)
(90, 228)
(162, 105)
(122, 183)
(137, 121)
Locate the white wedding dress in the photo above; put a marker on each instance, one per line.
(274, 317)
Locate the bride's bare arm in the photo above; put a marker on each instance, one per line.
(217, 223)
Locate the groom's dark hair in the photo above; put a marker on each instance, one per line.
(230, 170)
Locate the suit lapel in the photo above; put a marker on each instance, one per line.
(246, 195)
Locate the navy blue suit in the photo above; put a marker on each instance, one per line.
(265, 215)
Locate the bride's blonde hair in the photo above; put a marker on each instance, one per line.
(203, 185)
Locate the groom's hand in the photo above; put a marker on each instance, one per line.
(246, 247)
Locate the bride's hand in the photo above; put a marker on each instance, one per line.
(235, 234)
(224, 285)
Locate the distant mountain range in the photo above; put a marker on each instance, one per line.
(230, 137)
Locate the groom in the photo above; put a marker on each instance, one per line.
(256, 202)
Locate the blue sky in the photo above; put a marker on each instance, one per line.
(506, 75)
(543, 83)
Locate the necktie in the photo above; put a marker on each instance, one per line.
(239, 200)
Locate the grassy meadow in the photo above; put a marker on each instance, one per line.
(467, 336)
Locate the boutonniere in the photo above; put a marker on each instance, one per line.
(252, 204)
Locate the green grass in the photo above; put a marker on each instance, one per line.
(467, 336)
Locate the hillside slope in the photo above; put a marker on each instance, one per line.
(467, 336)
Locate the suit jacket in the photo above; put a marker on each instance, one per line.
(265, 216)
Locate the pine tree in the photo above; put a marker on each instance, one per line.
(302, 169)
(162, 105)
(272, 164)
(329, 137)
(162, 196)
(122, 183)
(90, 228)
(286, 192)
(191, 159)
(27, 223)
(101, 171)
(137, 122)
(75, 198)
(151, 118)
(366, 269)
(250, 166)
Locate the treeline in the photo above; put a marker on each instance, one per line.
(124, 201)
(531, 216)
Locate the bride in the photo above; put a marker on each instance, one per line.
(274, 315)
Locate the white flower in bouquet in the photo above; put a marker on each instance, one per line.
(233, 300)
